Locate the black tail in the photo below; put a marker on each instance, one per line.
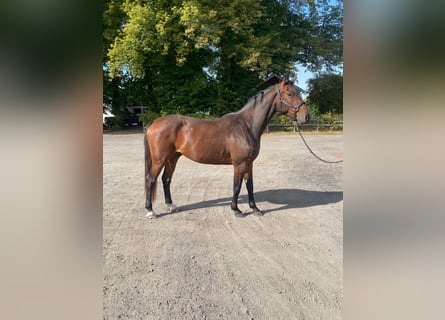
(147, 159)
(148, 164)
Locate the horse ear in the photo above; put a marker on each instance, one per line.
(286, 78)
(293, 79)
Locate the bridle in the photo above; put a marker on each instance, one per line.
(295, 108)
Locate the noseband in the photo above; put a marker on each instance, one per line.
(296, 108)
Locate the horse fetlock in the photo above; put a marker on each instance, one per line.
(151, 214)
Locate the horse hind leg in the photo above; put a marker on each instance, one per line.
(151, 183)
(169, 168)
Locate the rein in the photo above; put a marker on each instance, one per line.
(296, 108)
(313, 153)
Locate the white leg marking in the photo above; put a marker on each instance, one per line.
(151, 214)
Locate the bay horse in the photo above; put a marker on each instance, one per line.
(231, 139)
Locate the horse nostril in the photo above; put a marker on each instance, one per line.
(307, 118)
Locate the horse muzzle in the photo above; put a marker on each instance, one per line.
(298, 114)
(307, 118)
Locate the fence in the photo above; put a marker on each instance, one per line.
(334, 124)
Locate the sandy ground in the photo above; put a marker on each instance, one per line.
(205, 263)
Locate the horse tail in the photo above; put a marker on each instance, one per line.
(148, 165)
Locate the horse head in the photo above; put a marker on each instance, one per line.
(289, 101)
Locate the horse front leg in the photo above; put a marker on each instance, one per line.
(237, 180)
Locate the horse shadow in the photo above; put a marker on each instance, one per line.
(283, 198)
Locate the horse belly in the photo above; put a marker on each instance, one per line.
(204, 146)
(208, 153)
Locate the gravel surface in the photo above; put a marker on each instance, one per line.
(205, 263)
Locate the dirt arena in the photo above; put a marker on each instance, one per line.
(205, 263)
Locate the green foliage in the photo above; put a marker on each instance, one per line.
(148, 116)
(189, 56)
(117, 122)
(330, 118)
(314, 111)
(284, 119)
(201, 115)
(326, 92)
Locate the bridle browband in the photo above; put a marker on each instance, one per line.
(296, 108)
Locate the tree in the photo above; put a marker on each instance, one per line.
(322, 45)
(326, 92)
(206, 55)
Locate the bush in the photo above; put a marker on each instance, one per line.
(314, 110)
(117, 122)
(201, 115)
(329, 118)
(148, 116)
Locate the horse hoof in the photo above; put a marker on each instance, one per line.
(172, 208)
(151, 214)
(238, 214)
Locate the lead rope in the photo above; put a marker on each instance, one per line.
(310, 150)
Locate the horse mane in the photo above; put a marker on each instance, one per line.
(253, 100)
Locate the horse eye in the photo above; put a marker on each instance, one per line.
(290, 94)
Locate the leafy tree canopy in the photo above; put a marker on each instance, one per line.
(326, 92)
(204, 55)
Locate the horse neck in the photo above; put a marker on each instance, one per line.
(259, 113)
